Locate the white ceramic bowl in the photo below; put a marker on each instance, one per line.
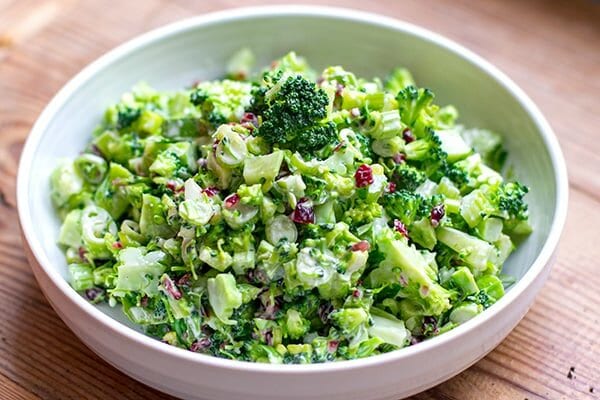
(370, 45)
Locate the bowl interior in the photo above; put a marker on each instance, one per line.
(368, 49)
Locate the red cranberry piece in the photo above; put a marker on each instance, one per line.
(94, 294)
(363, 176)
(399, 158)
(400, 227)
(304, 212)
(332, 346)
(184, 279)
(117, 245)
(356, 293)
(210, 191)
(408, 136)
(391, 187)
(200, 344)
(339, 88)
(437, 213)
(249, 118)
(232, 200)
(363, 245)
(171, 289)
(144, 301)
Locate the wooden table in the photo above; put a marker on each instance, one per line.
(551, 49)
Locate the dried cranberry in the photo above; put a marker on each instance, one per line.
(249, 118)
(363, 176)
(332, 346)
(437, 213)
(391, 187)
(324, 311)
(171, 288)
(356, 293)
(399, 158)
(202, 162)
(81, 252)
(210, 191)
(201, 344)
(400, 227)
(117, 245)
(184, 280)
(339, 88)
(268, 335)
(363, 245)
(94, 294)
(408, 136)
(144, 301)
(304, 212)
(232, 200)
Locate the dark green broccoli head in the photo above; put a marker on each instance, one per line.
(511, 199)
(407, 177)
(293, 117)
(126, 116)
(405, 206)
(411, 102)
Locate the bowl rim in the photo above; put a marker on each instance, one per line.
(541, 262)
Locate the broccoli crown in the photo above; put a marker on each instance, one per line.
(407, 177)
(408, 206)
(511, 199)
(126, 116)
(411, 101)
(293, 117)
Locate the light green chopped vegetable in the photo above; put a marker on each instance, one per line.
(289, 215)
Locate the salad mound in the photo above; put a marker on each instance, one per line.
(289, 217)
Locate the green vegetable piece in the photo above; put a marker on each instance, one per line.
(216, 258)
(463, 279)
(490, 229)
(65, 183)
(138, 271)
(112, 194)
(231, 150)
(388, 328)
(492, 286)
(70, 230)
(197, 208)
(91, 167)
(423, 233)
(398, 80)
(476, 253)
(263, 169)
(464, 312)
(349, 319)
(81, 277)
(453, 145)
(95, 224)
(153, 220)
(295, 325)
(224, 297)
(281, 228)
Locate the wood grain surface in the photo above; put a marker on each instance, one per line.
(551, 49)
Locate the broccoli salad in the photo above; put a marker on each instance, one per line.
(289, 216)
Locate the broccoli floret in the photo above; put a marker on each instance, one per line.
(222, 101)
(126, 116)
(411, 103)
(293, 117)
(407, 177)
(406, 206)
(511, 199)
